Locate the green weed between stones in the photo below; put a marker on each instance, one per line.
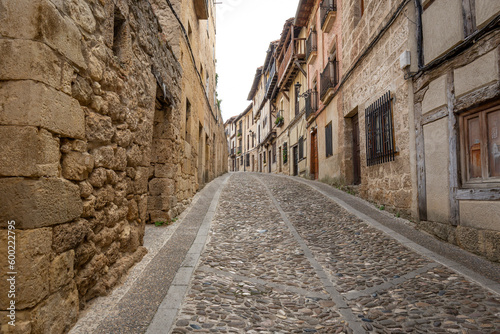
(165, 223)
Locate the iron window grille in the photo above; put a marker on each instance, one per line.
(285, 153)
(328, 140)
(311, 102)
(380, 146)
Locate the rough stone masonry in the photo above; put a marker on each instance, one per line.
(85, 85)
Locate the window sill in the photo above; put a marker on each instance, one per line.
(479, 194)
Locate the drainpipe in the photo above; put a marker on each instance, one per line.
(420, 52)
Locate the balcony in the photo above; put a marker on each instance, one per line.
(271, 81)
(296, 51)
(329, 80)
(312, 47)
(239, 150)
(328, 13)
(232, 152)
(280, 119)
(311, 102)
(239, 132)
(201, 9)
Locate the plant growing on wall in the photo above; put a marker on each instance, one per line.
(279, 120)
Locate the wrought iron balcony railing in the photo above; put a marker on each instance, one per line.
(311, 102)
(311, 44)
(326, 7)
(280, 119)
(329, 77)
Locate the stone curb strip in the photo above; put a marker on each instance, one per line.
(167, 312)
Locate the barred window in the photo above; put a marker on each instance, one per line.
(301, 148)
(274, 153)
(380, 145)
(285, 153)
(328, 140)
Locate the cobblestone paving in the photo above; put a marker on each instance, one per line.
(337, 275)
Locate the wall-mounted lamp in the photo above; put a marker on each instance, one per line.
(297, 89)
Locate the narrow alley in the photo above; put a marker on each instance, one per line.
(261, 253)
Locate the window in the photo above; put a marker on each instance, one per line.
(328, 140)
(481, 144)
(297, 105)
(247, 159)
(285, 153)
(248, 142)
(274, 153)
(380, 145)
(188, 123)
(119, 33)
(301, 148)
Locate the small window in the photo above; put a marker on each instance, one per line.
(285, 153)
(119, 32)
(301, 148)
(328, 140)
(380, 146)
(274, 153)
(481, 144)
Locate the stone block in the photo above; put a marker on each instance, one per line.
(436, 171)
(57, 313)
(99, 128)
(483, 215)
(28, 152)
(104, 196)
(40, 19)
(98, 177)
(479, 73)
(159, 187)
(33, 251)
(134, 156)
(435, 96)
(140, 185)
(485, 11)
(103, 156)
(30, 60)
(81, 14)
(443, 28)
(69, 236)
(33, 103)
(468, 239)
(491, 244)
(77, 166)
(166, 170)
(61, 271)
(39, 203)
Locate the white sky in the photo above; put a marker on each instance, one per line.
(244, 30)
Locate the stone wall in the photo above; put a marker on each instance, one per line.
(390, 183)
(92, 128)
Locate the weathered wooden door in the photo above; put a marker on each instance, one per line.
(356, 158)
(314, 155)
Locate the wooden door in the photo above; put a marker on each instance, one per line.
(314, 155)
(356, 157)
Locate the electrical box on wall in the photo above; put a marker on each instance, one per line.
(404, 60)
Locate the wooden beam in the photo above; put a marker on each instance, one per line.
(435, 115)
(421, 176)
(478, 194)
(300, 67)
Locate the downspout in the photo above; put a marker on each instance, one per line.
(420, 52)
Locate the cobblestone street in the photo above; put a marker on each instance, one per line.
(283, 258)
(275, 254)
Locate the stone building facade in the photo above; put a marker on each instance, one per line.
(93, 123)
